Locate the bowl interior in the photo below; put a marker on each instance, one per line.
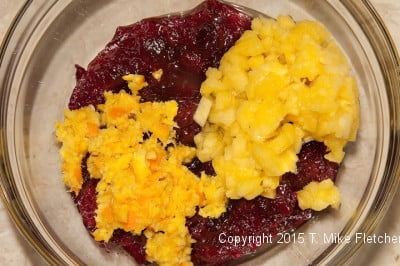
(74, 32)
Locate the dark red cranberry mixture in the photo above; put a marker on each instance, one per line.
(185, 47)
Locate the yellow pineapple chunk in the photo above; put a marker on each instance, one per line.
(274, 164)
(209, 145)
(223, 117)
(319, 195)
(256, 61)
(285, 22)
(259, 120)
(308, 60)
(248, 45)
(202, 111)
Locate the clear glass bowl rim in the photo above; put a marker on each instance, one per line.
(389, 62)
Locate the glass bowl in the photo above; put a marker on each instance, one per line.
(37, 61)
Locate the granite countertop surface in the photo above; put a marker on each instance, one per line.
(14, 250)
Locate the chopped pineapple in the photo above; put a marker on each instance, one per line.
(282, 84)
(202, 112)
(209, 144)
(319, 195)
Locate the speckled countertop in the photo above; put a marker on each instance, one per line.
(14, 250)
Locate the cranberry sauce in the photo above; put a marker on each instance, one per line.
(184, 47)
